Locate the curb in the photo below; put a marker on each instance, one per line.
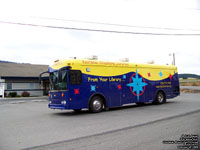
(23, 99)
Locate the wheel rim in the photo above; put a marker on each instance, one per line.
(97, 105)
(160, 98)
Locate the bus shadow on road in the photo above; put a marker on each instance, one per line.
(72, 113)
(134, 105)
(122, 108)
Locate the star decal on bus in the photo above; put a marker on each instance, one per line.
(119, 86)
(170, 76)
(160, 74)
(76, 91)
(124, 76)
(93, 88)
(137, 85)
(149, 74)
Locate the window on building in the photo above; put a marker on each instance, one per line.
(9, 86)
(31, 86)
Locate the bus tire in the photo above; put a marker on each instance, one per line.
(160, 98)
(96, 104)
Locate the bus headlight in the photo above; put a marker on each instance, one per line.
(49, 102)
(63, 102)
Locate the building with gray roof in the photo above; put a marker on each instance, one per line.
(19, 78)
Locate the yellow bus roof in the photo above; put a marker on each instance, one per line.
(107, 69)
(78, 62)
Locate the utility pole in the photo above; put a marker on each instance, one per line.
(173, 61)
(174, 58)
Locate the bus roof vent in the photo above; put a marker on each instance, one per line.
(124, 60)
(150, 62)
(93, 57)
(72, 57)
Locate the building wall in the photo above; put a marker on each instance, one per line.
(19, 86)
(2, 87)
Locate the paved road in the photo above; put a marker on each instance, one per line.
(30, 124)
(155, 136)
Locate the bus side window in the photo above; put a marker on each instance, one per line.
(75, 77)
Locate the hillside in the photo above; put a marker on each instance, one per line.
(187, 75)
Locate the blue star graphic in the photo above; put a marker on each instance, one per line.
(93, 88)
(137, 85)
(124, 76)
(160, 74)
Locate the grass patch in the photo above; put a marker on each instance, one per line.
(189, 82)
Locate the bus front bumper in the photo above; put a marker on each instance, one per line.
(58, 106)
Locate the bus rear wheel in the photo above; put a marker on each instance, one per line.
(160, 98)
(96, 104)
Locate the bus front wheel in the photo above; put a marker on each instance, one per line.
(96, 104)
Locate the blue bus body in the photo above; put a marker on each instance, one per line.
(117, 90)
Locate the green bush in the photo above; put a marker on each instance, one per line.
(25, 94)
(12, 94)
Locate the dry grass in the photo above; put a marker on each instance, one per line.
(189, 91)
(190, 83)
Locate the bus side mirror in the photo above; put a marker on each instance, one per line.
(40, 76)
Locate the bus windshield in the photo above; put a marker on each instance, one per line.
(58, 80)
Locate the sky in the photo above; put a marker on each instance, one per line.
(42, 45)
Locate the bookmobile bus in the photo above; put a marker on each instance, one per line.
(97, 85)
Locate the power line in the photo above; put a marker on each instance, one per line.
(99, 30)
(112, 24)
